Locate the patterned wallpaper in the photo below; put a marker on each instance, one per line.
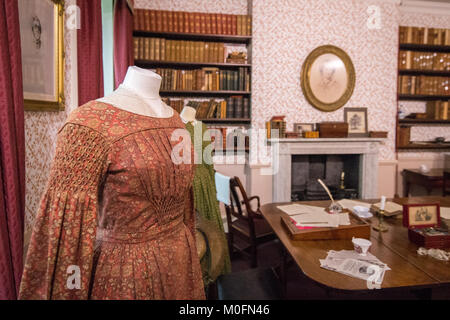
(40, 137)
(286, 31)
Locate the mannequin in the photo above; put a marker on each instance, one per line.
(139, 93)
(188, 115)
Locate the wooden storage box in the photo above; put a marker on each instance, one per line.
(358, 228)
(333, 129)
(378, 134)
(436, 241)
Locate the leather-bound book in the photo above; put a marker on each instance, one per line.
(192, 22)
(213, 23)
(175, 20)
(219, 23)
(170, 26)
(181, 25)
(233, 24)
(215, 52)
(241, 79)
(221, 58)
(247, 80)
(162, 49)
(159, 22)
(206, 57)
(229, 24)
(136, 19)
(224, 24)
(136, 48)
(141, 49)
(230, 108)
(244, 25)
(246, 110)
(202, 23)
(178, 51)
(238, 107)
(239, 24)
(187, 22)
(164, 21)
(249, 25)
(230, 80)
(147, 20)
(197, 19)
(208, 23)
(156, 44)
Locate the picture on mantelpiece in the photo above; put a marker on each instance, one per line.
(357, 121)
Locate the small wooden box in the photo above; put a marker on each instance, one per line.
(435, 241)
(310, 134)
(333, 129)
(292, 134)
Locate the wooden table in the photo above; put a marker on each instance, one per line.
(409, 270)
(430, 180)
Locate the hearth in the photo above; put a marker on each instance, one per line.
(306, 169)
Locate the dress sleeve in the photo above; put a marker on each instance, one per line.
(60, 255)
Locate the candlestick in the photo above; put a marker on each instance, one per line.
(380, 227)
(383, 202)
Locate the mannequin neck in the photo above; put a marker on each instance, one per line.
(142, 82)
(188, 115)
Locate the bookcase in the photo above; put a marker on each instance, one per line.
(423, 75)
(203, 58)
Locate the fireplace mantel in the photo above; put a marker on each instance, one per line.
(284, 149)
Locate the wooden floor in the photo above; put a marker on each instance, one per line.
(299, 287)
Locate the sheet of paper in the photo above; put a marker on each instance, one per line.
(317, 219)
(298, 209)
(445, 212)
(390, 206)
(349, 204)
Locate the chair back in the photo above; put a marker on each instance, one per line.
(239, 205)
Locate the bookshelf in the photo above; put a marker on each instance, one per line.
(190, 50)
(423, 75)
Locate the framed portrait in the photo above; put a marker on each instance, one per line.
(42, 41)
(304, 127)
(421, 215)
(357, 121)
(327, 78)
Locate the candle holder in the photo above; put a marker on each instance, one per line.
(380, 227)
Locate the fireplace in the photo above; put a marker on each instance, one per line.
(339, 172)
(357, 157)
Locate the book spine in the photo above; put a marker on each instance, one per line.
(238, 107)
(233, 24)
(159, 23)
(208, 23)
(175, 20)
(187, 22)
(239, 25)
(249, 25)
(170, 26)
(164, 21)
(149, 48)
(219, 23)
(224, 24)
(197, 27)
(157, 44)
(246, 114)
(181, 23)
(214, 23)
(136, 19)
(162, 49)
(229, 108)
(147, 25)
(202, 23)
(136, 48)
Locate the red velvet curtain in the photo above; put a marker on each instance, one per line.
(90, 60)
(123, 40)
(12, 152)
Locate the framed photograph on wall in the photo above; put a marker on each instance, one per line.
(327, 78)
(357, 121)
(304, 127)
(42, 41)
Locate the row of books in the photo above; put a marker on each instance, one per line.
(423, 60)
(231, 139)
(421, 35)
(423, 85)
(438, 110)
(234, 107)
(160, 49)
(205, 79)
(192, 22)
(276, 123)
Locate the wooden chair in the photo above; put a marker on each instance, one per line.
(249, 229)
(446, 183)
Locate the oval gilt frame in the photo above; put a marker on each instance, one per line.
(306, 73)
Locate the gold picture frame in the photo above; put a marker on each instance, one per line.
(327, 78)
(42, 42)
